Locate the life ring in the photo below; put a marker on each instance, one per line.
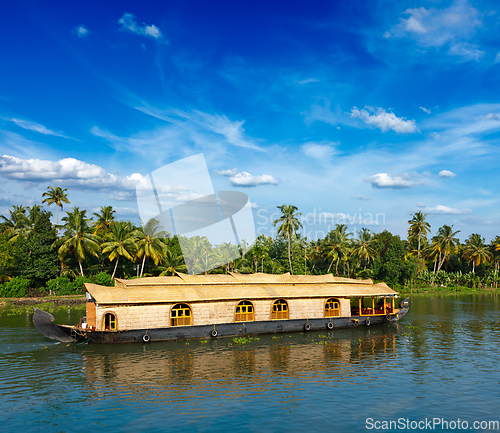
(214, 333)
(307, 327)
(146, 338)
(388, 317)
(329, 325)
(367, 322)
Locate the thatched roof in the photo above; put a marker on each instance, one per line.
(218, 287)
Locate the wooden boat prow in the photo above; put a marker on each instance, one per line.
(209, 306)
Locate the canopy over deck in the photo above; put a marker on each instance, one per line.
(218, 287)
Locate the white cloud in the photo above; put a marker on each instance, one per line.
(70, 170)
(361, 197)
(466, 52)
(446, 173)
(425, 110)
(497, 57)
(81, 31)
(383, 180)
(383, 120)
(444, 210)
(32, 126)
(245, 179)
(453, 26)
(321, 151)
(228, 173)
(129, 23)
(307, 81)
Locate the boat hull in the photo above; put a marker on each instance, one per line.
(222, 330)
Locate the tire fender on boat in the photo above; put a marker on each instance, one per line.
(307, 327)
(367, 321)
(146, 338)
(214, 333)
(329, 325)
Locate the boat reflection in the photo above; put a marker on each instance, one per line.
(181, 367)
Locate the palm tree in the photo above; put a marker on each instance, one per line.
(418, 227)
(104, 219)
(149, 244)
(78, 238)
(364, 247)
(337, 245)
(173, 263)
(56, 195)
(445, 242)
(495, 251)
(289, 224)
(119, 242)
(17, 224)
(476, 251)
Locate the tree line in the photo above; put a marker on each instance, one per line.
(37, 255)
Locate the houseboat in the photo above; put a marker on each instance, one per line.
(184, 307)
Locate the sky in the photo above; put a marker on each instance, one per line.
(360, 113)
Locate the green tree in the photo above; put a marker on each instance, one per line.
(288, 225)
(104, 219)
(476, 251)
(36, 259)
(56, 196)
(78, 239)
(445, 243)
(119, 241)
(364, 247)
(16, 224)
(148, 243)
(336, 245)
(418, 228)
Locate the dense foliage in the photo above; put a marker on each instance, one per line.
(38, 257)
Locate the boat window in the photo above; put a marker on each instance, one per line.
(109, 322)
(180, 315)
(332, 308)
(280, 310)
(244, 312)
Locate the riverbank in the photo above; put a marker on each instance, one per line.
(53, 300)
(429, 290)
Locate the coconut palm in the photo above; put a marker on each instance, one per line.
(288, 225)
(476, 251)
(104, 219)
(495, 251)
(119, 241)
(56, 196)
(445, 243)
(173, 263)
(337, 245)
(364, 247)
(17, 224)
(418, 228)
(77, 239)
(149, 244)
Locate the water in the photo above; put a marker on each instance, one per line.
(441, 362)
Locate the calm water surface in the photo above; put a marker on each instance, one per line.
(441, 361)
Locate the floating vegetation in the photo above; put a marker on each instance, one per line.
(243, 340)
(203, 341)
(275, 337)
(411, 326)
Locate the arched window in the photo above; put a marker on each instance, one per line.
(332, 308)
(180, 315)
(280, 310)
(109, 322)
(244, 312)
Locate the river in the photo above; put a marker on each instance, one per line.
(439, 363)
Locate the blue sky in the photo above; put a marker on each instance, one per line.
(355, 112)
